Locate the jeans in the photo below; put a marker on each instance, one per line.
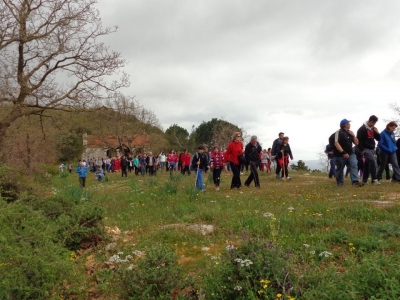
(236, 182)
(392, 159)
(253, 174)
(332, 169)
(369, 165)
(351, 163)
(199, 179)
(143, 169)
(162, 166)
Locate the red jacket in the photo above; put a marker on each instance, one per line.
(233, 151)
(185, 160)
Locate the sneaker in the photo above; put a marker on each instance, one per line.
(246, 185)
(375, 182)
(241, 173)
(217, 188)
(278, 177)
(358, 184)
(288, 178)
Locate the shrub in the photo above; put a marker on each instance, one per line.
(154, 276)
(257, 268)
(32, 263)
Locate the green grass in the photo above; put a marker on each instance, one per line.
(310, 215)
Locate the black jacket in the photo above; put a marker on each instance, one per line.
(203, 161)
(252, 152)
(344, 139)
(366, 138)
(275, 147)
(286, 151)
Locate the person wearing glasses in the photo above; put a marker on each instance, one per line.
(387, 151)
(231, 156)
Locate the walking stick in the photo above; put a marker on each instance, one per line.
(283, 165)
(197, 172)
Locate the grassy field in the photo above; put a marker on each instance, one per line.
(301, 239)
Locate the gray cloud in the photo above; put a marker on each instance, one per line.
(264, 65)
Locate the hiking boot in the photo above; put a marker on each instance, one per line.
(375, 182)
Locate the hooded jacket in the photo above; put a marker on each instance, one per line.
(387, 143)
(366, 137)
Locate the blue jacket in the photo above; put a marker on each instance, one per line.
(387, 144)
(81, 171)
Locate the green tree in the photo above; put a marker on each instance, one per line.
(215, 132)
(177, 136)
(301, 166)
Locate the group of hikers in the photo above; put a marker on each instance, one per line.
(235, 158)
(362, 159)
(357, 152)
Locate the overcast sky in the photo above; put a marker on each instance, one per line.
(266, 66)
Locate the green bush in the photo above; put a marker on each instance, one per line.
(78, 219)
(33, 264)
(154, 276)
(256, 269)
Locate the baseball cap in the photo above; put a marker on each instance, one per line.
(344, 122)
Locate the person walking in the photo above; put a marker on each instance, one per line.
(234, 150)
(283, 157)
(124, 163)
(172, 160)
(82, 171)
(275, 152)
(150, 163)
(331, 161)
(387, 151)
(366, 135)
(342, 142)
(252, 154)
(217, 164)
(185, 162)
(199, 164)
(161, 160)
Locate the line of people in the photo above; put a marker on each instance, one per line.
(361, 155)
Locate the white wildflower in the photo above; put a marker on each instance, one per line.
(229, 247)
(306, 245)
(325, 253)
(137, 252)
(237, 288)
(290, 208)
(214, 257)
(267, 215)
(312, 252)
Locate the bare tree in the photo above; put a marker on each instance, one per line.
(323, 159)
(51, 58)
(125, 119)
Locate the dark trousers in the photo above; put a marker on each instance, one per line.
(150, 170)
(253, 174)
(217, 176)
(185, 169)
(82, 181)
(278, 167)
(236, 183)
(123, 172)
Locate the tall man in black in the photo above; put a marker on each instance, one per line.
(252, 153)
(275, 152)
(366, 135)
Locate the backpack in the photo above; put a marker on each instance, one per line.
(332, 140)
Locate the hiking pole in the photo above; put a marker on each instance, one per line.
(283, 165)
(197, 172)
